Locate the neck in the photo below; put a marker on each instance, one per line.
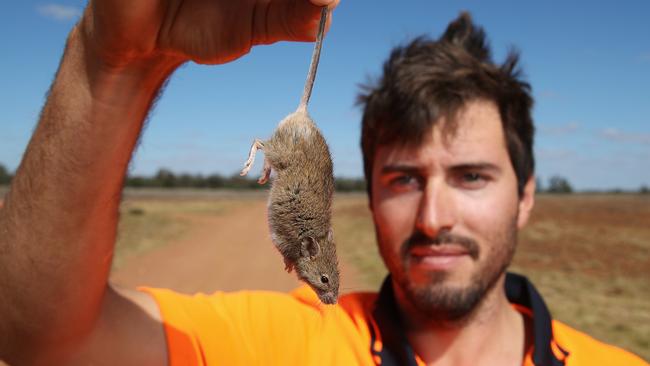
(493, 334)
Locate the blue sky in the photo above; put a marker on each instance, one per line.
(588, 63)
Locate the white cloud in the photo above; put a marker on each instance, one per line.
(545, 153)
(549, 94)
(559, 130)
(59, 12)
(614, 134)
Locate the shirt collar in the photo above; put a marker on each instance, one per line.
(396, 350)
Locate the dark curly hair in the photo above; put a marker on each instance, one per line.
(428, 79)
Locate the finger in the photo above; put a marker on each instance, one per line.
(331, 4)
(290, 20)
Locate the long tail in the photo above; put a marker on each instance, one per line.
(315, 57)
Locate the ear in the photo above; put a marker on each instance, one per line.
(526, 202)
(330, 235)
(309, 247)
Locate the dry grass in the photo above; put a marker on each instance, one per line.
(147, 223)
(355, 238)
(590, 256)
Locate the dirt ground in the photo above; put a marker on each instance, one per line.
(218, 252)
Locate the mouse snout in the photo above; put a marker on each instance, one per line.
(328, 298)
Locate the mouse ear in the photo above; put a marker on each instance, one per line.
(309, 247)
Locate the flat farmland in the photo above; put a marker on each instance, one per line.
(589, 255)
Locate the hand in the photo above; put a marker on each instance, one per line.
(205, 31)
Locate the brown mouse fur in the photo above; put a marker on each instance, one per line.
(300, 201)
(301, 194)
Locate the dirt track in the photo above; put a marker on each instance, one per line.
(228, 252)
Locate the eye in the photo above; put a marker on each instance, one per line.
(402, 179)
(324, 279)
(472, 180)
(471, 177)
(403, 182)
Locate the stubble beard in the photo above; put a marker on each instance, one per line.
(439, 303)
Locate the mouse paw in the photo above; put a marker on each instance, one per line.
(288, 266)
(245, 170)
(266, 172)
(257, 144)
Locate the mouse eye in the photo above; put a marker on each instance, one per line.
(324, 279)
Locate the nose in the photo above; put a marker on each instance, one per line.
(437, 210)
(328, 298)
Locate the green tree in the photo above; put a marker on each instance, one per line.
(215, 181)
(165, 178)
(137, 181)
(238, 182)
(559, 184)
(5, 176)
(350, 184)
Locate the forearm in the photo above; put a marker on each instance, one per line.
(58, 225)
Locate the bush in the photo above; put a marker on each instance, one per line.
(558, 184)
(5, 177)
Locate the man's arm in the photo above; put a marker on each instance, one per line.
(58, 224)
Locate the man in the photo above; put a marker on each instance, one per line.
(447, 143)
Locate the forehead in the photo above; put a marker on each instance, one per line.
(475, 134)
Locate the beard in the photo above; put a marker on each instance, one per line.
(441, 303)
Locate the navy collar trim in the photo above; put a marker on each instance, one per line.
(397, 351)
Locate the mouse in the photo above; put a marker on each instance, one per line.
(301, 193)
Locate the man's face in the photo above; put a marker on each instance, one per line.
(446, 213)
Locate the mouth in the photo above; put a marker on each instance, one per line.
(328, 298)
(437, 257)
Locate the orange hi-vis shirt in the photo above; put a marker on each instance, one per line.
(267, 328)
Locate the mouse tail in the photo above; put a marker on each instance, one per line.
(315, 57)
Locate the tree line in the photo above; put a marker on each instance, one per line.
(556, 184)
(5, 175)
(165, 178)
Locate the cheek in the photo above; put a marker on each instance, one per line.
(394, 217)
(487, 216)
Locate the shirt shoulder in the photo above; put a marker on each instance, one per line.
(583, 349)
(259, 327)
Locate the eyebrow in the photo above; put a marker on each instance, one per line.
(400, 168)
(405, 168)
(481, 166)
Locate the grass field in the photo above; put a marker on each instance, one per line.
(589, 255)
